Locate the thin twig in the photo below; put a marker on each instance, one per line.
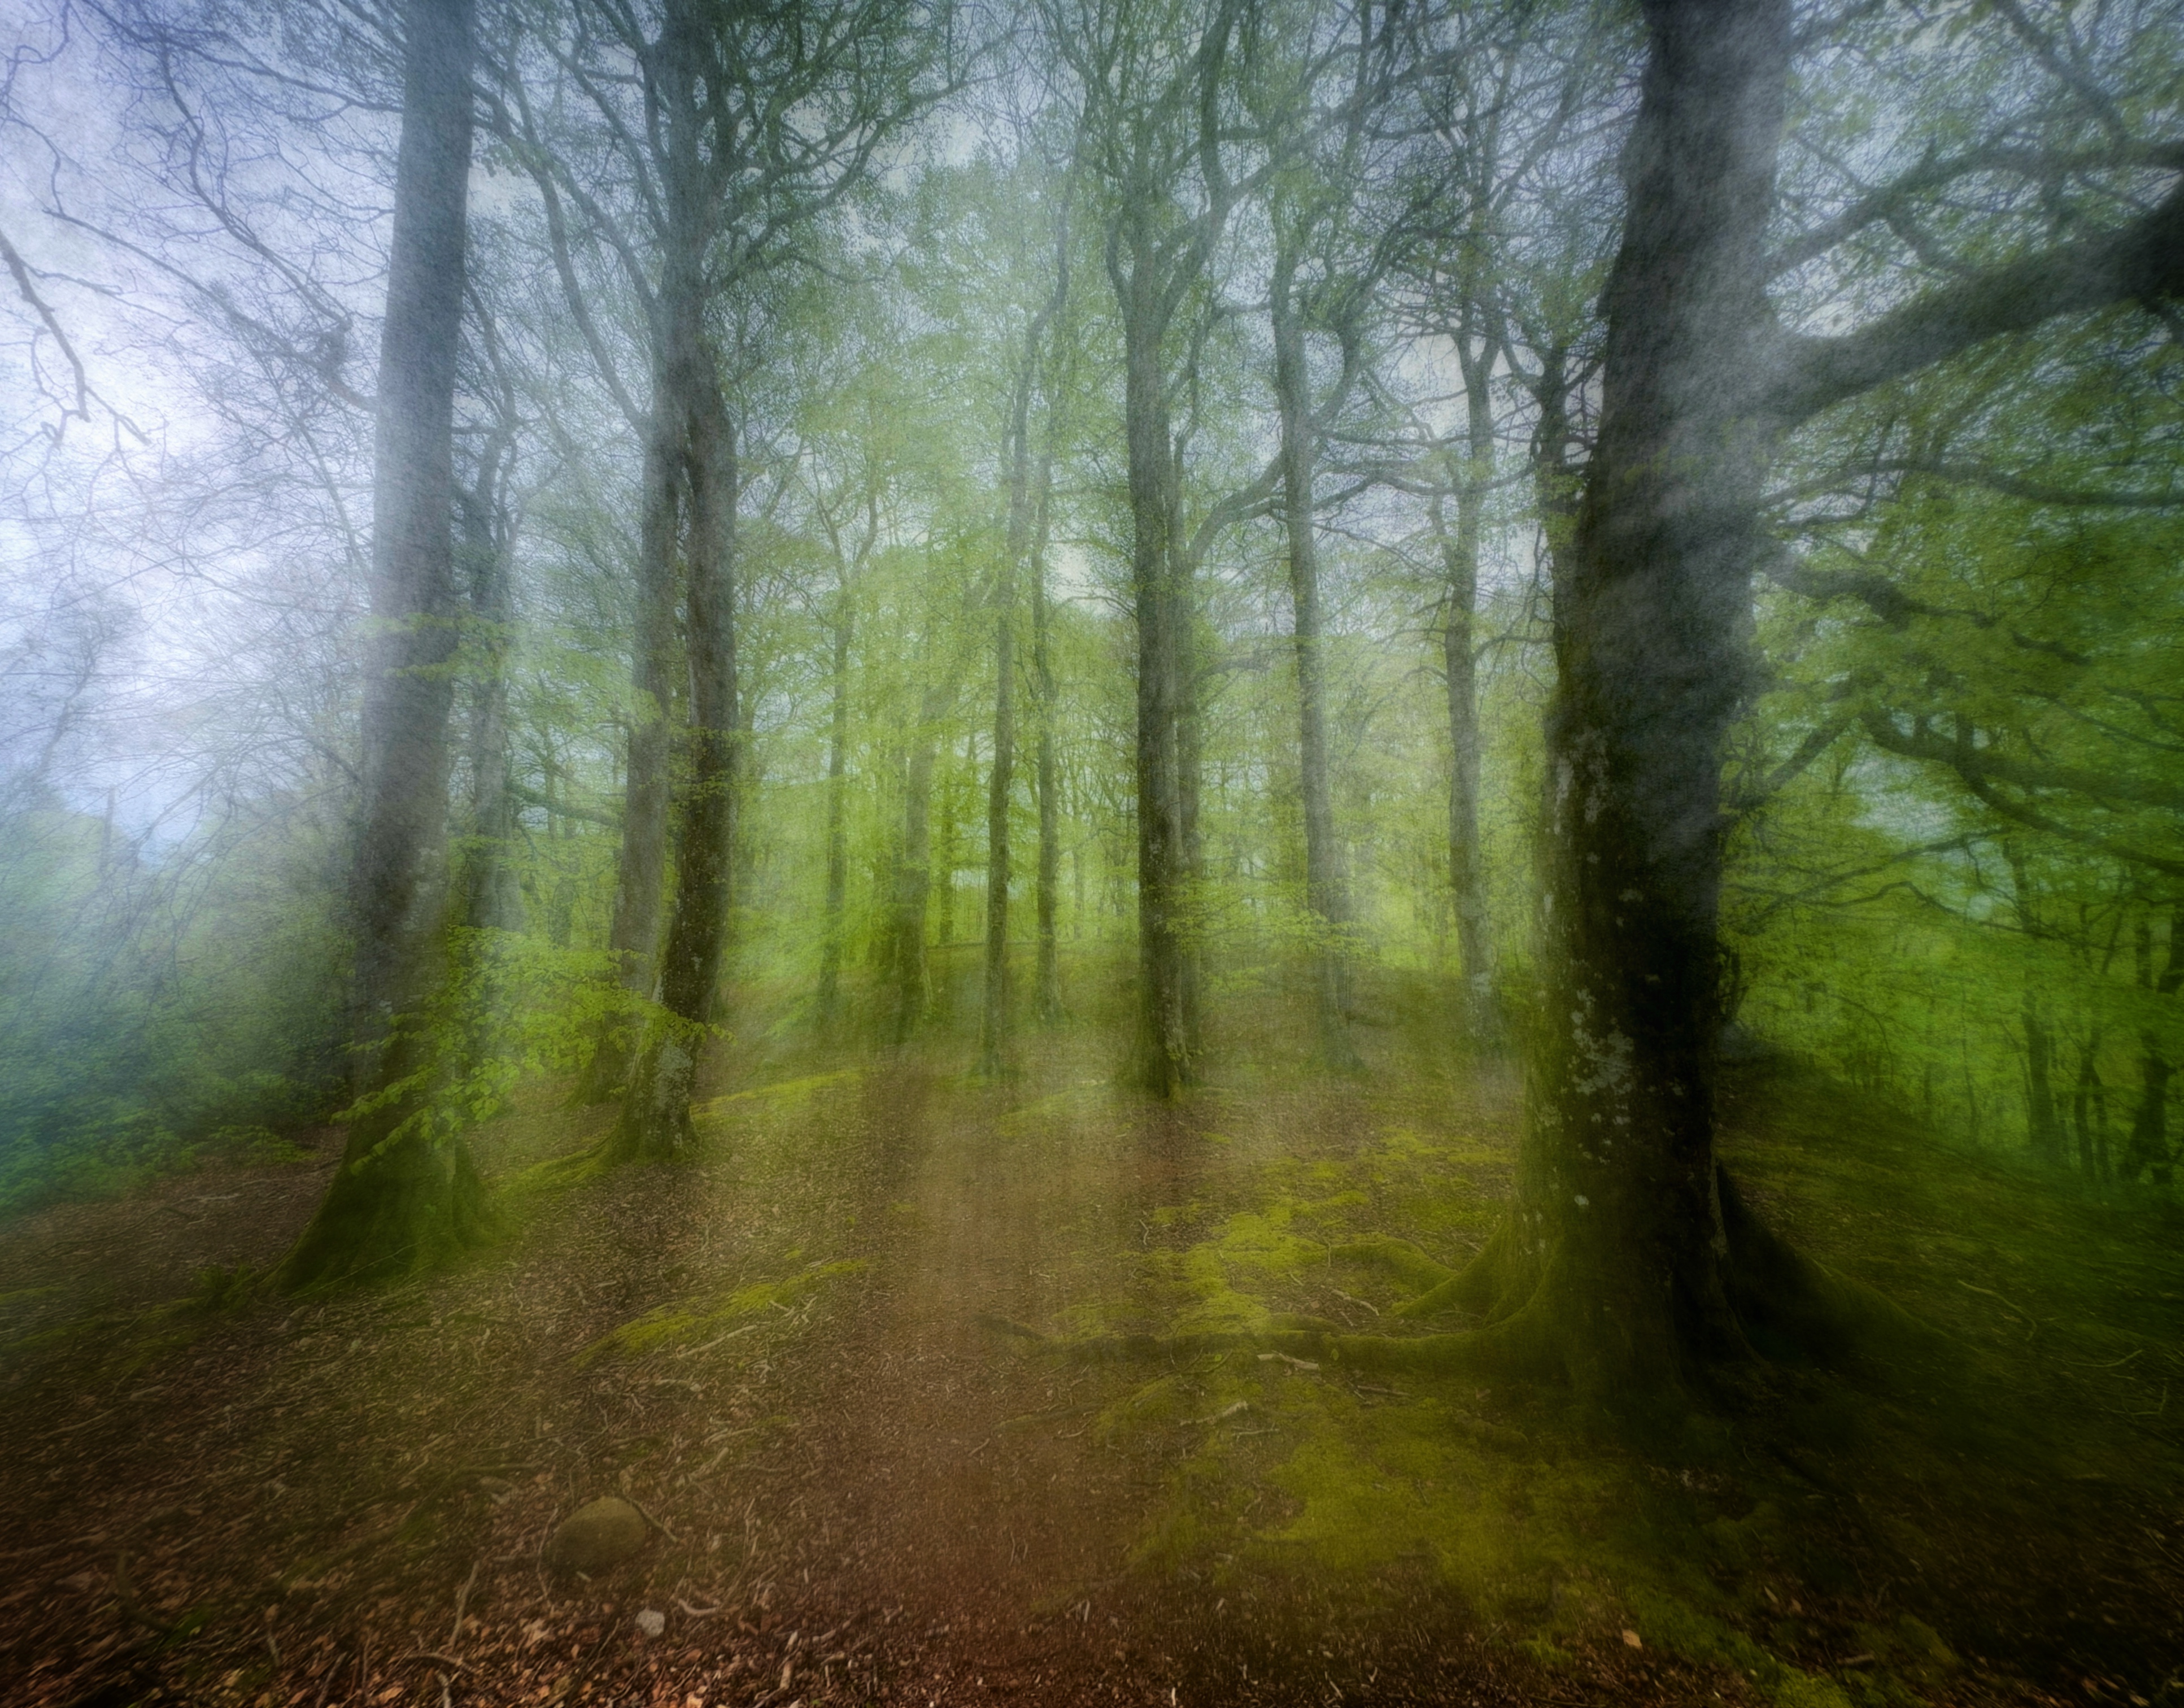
(462, 1595)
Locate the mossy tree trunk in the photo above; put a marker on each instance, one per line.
(1618, 1213)
(1628, 1248)
(1164, 1042)
(406, 1193)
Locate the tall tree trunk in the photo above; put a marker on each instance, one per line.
(1621, 1244)
(656, 1113)
(2087, 1103)
(407, 1194)
(633, 934)
(1189, 784)
(1460, 561)
(913, 883)
(994, 1025)
(2147, 1152)
(1047, 999)
(2043, 1125)
(1164, 1043)
(838, 842)
(491, 898)
(1326, 896)
(2043, 1130)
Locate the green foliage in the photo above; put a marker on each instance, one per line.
(154, 1013)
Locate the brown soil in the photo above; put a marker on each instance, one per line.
(861, 1493)
(867, 1497)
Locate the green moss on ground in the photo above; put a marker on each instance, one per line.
(1835, 1537)
(692, 1323)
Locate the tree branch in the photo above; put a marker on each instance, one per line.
(2143, 260)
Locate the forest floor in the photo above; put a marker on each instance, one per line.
(785, 1354)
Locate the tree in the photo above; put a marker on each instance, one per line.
(1023, 551)
(1628, 1238)
(407, 1191)
(1151, 116)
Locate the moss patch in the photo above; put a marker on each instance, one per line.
(692, 1322)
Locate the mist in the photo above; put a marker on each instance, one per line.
(908, 851)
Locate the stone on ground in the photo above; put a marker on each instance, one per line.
(595, 1536)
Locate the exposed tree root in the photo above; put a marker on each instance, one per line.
(411, 1204)
(1791, 1306)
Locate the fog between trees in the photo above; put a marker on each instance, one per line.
(567, 540)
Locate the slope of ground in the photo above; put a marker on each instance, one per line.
(858, 1491)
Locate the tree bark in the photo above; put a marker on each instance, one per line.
(1620, 1225)
(1164, 1029)
(491, 899)
(994, 1026)
(837, 844)
(656, 1113)
(633, 934)
(654, 1123)
(2147, 1152)
(1460, 563)
(1326, 895)
(407, 1193)
(913, 885)
(1047, 999)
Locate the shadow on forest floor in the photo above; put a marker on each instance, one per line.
(857, 1493)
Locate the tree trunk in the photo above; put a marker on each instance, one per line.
(655, 1114)
(655, 1123)
(2088, 1102)
(947, 863)
(633, 935)
(837, 844)
(1621, 1242)
(2147, 1150)
(407, 1193)
(1460, 559)
(1163, 1017)
(1047, 1000)
(2043, 1125)
(913, 885)
(1326, 897)
(491, 899)
(994, 1028)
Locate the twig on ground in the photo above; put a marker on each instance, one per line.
(654, 1523)
(462, 1595)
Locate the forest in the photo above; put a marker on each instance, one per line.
(1091, 851)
